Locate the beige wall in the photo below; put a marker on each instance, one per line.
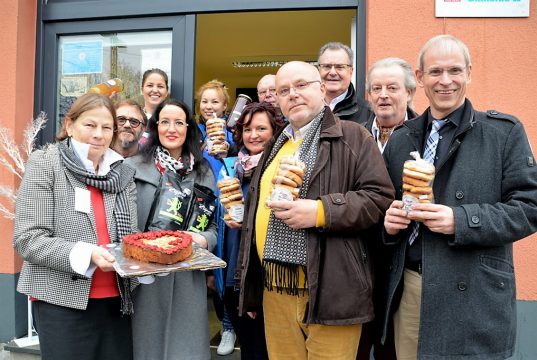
(504, 72)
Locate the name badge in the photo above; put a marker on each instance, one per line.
(82, 200)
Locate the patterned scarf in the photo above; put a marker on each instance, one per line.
(246, 164)
(182, 166)
(285, 248)
(114, 182)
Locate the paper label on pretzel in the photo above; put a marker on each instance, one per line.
(236, 212)
(280, 193)
(409, 201)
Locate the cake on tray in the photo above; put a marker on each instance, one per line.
(162, 247)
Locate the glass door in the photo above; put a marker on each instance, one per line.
(78, 55)
(87, 60)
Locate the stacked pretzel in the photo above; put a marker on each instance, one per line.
(288, 179)
(231, 198)
(216, 137)
(417, 182)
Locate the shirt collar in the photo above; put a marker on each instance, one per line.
(454, 118)
(296, 135)
(337, 100)
(376, 133)
(109, 157)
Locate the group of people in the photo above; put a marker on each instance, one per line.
(345, 271)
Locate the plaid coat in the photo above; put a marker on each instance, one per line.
(47, 227)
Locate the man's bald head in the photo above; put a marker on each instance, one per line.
(266, 90)
(300, 92)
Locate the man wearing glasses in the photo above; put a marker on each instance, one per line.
(336, 69)
(131, 122)
(304, 260)
(451, 288)
(266, 90)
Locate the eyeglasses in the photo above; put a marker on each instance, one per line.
(122, 120)
(452, 71)
(298, 87)
(264, 91)
(165, 123)
(338, 67)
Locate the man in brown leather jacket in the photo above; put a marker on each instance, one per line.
(305, 261)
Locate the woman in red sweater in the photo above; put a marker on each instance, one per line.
(76, 201)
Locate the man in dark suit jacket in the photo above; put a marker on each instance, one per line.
(451, 289)
(336, 69)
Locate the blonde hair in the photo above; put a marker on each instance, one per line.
(216, 85)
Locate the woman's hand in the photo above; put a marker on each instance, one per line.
(103, 259)
(199, 239)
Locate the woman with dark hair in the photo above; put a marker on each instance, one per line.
(154, 89)
(170, 320)
(255, 127)
(76, 200)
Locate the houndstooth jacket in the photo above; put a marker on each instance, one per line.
(47, 227)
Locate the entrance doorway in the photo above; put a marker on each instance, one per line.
(239, 48)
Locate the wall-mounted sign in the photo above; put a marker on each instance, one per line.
(82, 57)
(482, 8)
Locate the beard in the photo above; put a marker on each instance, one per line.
(126, 139)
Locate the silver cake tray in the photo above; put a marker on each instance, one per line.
(201, 259)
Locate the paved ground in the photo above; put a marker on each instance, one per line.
(214, 326)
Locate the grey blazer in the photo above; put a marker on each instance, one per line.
(47, 227)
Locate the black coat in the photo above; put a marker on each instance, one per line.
(352, 107)
(489, 179)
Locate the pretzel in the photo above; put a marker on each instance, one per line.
(415, 182)
(291, 176)
(278, 179)
(421, 190)
(417, 175)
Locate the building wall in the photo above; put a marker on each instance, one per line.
(504, 63)
(16, 109)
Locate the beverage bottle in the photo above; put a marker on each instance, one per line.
(108, 88)
(240, 103)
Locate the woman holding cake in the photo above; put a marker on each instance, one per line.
(76, 200)
(170, 318)
(255, 127)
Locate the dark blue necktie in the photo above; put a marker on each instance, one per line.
(428, 154)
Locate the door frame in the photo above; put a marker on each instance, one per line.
(183, 42)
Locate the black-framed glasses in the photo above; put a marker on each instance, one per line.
(338, 67)
(122, 120)
(298, 87)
